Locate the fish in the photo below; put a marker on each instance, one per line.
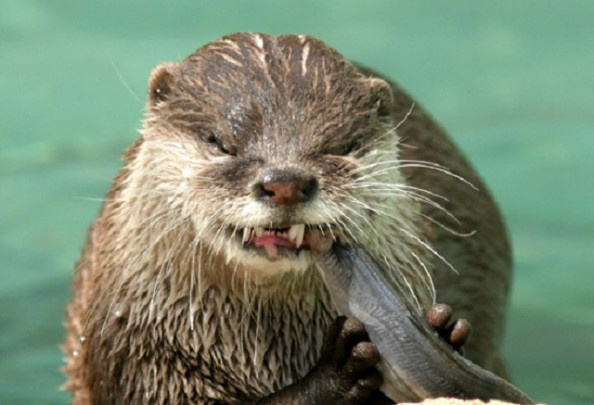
(415, 362)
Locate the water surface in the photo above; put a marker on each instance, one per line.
(511, 81)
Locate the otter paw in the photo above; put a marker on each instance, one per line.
(453, 333)
(348, 362)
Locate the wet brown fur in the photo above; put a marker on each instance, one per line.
(159, 315)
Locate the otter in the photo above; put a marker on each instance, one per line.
(196, 283)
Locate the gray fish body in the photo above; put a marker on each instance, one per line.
(416, 363)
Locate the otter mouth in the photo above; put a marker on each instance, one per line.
(279, 241)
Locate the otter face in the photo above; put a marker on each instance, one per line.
(256, 140)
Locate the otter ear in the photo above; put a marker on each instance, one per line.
(381, 95)
(160, 83)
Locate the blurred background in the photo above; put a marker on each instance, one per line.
(511, 81)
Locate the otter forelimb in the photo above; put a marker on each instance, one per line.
(345, 374)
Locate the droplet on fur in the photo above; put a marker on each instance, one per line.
(186, 172)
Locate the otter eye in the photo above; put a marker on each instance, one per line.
(353, 146)
(344, 148)
(227, 150)
(219, 145)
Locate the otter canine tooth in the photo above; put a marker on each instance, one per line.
(247, 232)
(293, 232)
(300, 234)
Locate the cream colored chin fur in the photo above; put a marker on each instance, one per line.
(263, 266)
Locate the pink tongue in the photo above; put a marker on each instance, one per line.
(270, 242)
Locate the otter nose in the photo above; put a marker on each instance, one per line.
(286, 190)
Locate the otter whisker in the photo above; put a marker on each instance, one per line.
(400, 279)
(257, 335)
(125, 83)
(428, 276)
(365, 220)
(146, 231)
(375, 210)
(408, 113)
(191, 302)
(400, 163)
(341, 221)
(422, 199)
(218, 242)
(122, 280)
(164, 269)
(392, 130)
(378, 209)
(430, 249)
(328, 214)
(383, 209)
(379, 186)
(157, 217)
(448, 229)
(344, 227)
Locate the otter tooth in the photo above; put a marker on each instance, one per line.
(259, 231)
(247, 232)
(300, 234)
(293, 230)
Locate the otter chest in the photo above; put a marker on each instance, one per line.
(241, 348)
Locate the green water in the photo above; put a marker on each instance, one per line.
(511, 80)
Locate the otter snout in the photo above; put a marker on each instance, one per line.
(286, 188)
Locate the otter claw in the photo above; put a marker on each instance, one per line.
(438, 316)
(455, 334)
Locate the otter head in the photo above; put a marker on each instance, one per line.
(255, 140)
